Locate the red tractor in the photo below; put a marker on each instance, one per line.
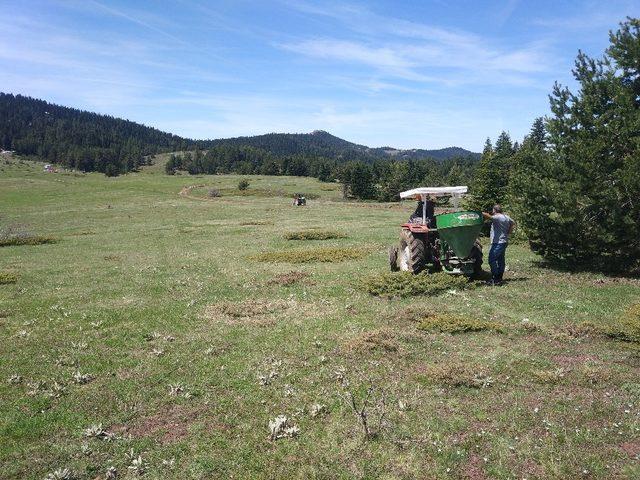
(445, 242)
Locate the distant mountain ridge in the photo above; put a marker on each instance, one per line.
(322, 143)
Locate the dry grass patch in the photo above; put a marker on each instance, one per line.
(290, 278)
(254, 312)
(576, 330)
(549, 376)
(381, 340)
(313, 234)
(458, 374)
(325, 255)
(412, 314)
(7, 278)
(451, 323)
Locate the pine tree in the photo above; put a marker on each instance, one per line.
(492, 176)
(578, 200)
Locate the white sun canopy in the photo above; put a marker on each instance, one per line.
(435, 191)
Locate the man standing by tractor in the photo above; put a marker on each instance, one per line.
(501, 227)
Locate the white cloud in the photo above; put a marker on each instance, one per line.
(419, 52)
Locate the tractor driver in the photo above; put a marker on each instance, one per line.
(429, 206)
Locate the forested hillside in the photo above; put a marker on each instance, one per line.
(323, 144)
(78, 139)
(93, 142)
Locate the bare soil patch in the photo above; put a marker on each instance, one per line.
(474, 468)
(570, 361)
(170, 424)
(631, 448)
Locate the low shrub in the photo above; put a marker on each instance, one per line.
(314, 235)
(17, 235)
(213, 193)
(26, 240)
(406, 284)
(450, 323)
(243, 184)
(7, 278)
(326, 254)
(627, 328)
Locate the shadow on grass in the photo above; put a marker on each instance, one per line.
(613, 269)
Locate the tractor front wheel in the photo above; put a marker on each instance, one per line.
(393, 259)
(412, 254)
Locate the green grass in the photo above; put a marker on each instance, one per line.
(154, 317)
(312, 255)
(447, 323)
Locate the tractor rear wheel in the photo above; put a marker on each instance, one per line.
(412, 253)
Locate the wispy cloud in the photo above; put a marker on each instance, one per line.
(415, 51)
(133, 18)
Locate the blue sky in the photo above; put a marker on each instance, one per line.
(407, 74)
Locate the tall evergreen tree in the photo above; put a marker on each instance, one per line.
(581, 198)
(492, 176)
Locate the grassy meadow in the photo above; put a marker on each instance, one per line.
(165, 329)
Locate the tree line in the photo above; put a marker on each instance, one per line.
(380, 180)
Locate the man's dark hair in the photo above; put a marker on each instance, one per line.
(497, 208)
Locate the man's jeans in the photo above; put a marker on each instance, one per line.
(496, 260)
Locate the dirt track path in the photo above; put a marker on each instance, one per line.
(186, 192)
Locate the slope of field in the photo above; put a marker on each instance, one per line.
(153, 338)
